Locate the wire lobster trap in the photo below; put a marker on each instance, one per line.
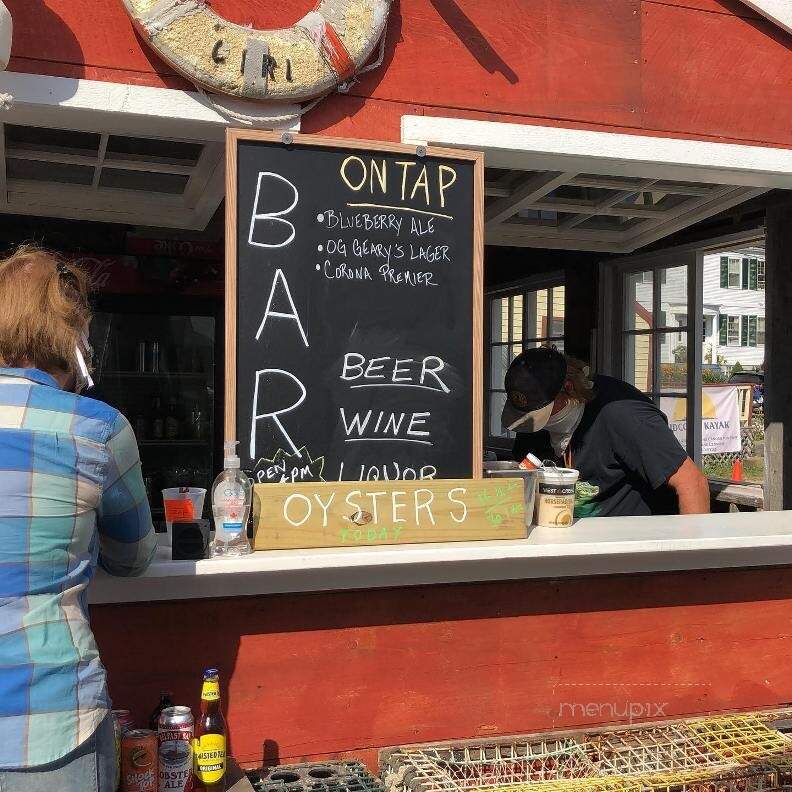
(336, 776)
(739, 753)
(738, 780)
(499, 764)
(740, 738)
(645, 751)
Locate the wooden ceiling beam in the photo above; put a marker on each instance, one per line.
(606, 203)
(528, 191)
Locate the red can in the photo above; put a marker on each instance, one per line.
(122, 723)
(139, 761)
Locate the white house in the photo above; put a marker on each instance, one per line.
(734, 307)
(734, 313)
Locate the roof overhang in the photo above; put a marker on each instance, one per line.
(601, 191)
(114, 153)
(777, 11)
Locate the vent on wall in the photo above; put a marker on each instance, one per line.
(92, 175)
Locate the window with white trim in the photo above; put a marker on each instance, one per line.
(741, 331)
(655, 329)
(518, 319)
(731, 272)
(733, 331)
(746, 273)
(673, 355)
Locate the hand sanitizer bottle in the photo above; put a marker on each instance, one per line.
(231, 499)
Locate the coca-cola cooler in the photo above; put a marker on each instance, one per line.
(157, 339)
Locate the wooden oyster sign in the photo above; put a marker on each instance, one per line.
(344, 514)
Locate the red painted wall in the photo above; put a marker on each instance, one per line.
(701, 68)
(347, 673)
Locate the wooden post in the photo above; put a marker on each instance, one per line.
(581, 314)
(778, 371)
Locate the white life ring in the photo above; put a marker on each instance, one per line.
(6, 34)
(324, 49)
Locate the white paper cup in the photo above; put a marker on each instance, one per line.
(555, 497)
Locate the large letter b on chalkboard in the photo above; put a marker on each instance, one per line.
(268, 229)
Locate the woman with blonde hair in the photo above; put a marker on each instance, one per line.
(71, 495)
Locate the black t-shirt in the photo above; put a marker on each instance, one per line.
(624, 450)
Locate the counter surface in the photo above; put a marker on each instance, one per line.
(602, 546)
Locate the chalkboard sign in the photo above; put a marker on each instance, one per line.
(353, 309)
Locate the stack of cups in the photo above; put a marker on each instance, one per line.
(182, 504)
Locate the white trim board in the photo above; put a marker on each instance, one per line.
(90, 105)
(777, 11)
(529, 147)
(109, 109)
(598, 546)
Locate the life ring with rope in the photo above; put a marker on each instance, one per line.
(321, 52)
(6, 34)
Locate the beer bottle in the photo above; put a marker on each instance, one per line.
(209, 744)
(166, 700)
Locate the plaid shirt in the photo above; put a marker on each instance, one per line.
(69, 465)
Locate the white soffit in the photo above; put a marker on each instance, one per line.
(89, 150)
(777, 11)
(601, 191)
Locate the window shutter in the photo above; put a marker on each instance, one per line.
(752, 331)
(722, 336)
(752, 270)
(724, 272)
(744, 267)
(744, 331)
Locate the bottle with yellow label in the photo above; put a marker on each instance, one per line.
(209, 744)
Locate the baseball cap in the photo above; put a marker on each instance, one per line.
(533, 381)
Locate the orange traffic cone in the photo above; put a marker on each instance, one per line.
(737, 470)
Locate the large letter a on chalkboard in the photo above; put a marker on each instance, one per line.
(294, 316)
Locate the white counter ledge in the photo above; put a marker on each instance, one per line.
(601, 546)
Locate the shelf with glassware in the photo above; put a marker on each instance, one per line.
(159, 371)
(174, 430)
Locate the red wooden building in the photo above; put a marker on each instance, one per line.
(343, 653)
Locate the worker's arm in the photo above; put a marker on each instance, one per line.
(692, 489)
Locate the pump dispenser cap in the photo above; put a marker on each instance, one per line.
(231, 460)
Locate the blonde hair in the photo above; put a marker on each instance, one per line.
(579, 375)
(44, 310)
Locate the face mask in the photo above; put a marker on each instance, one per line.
(83, 379)
(562, 425)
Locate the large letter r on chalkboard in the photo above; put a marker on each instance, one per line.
(267, 394)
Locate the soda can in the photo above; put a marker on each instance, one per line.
(123, 720)
(175, 733)
(139, 761)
